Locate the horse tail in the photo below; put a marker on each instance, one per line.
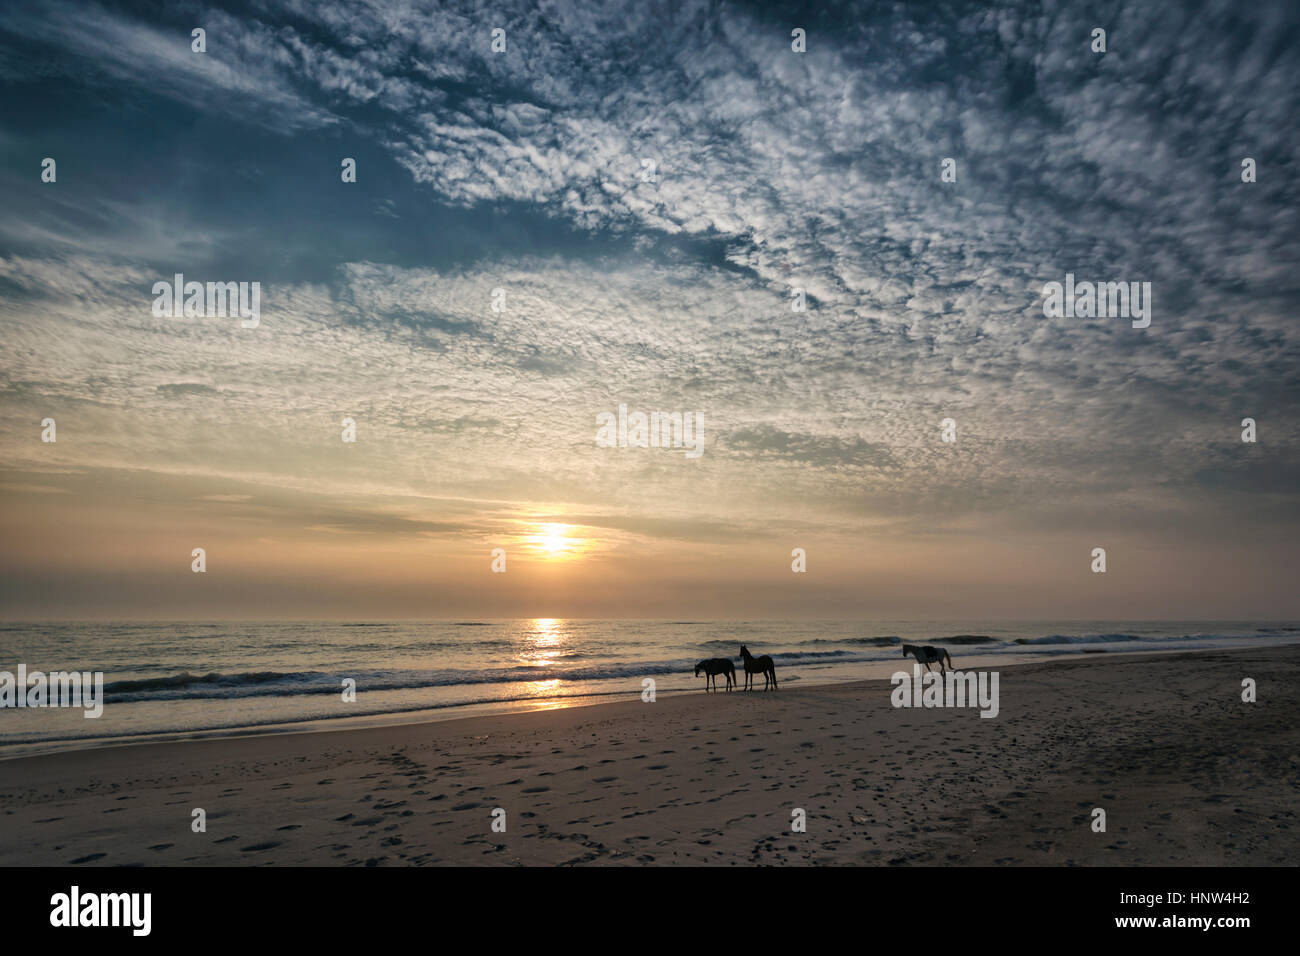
(948, 656)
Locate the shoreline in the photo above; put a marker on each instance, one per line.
(456, 712)
(1188, 774)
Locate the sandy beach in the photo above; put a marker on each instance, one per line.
(1187, 773)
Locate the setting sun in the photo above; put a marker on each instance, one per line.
(552, 540)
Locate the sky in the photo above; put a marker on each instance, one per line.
(626, 206)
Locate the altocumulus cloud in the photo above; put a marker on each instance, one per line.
(772, 170)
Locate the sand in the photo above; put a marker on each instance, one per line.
(1186, 772)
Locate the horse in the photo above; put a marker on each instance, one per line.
(763, 664)
(712, 668)
(928, 655)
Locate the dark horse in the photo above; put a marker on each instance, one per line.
(712, 668)
(763, 664)
(928, 655)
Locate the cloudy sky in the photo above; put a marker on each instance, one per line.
(526, 171)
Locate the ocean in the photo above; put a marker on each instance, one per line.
(183, 679)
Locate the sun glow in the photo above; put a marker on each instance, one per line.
(540, 646)
(552, 540)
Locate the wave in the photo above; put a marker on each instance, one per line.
(866, 641)
(214, 685)
(187, 679)
(1095, 638)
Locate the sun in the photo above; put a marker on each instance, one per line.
(555, 542)
(552, 539)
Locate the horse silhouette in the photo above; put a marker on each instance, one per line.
(758, 664)
(927, 655)
(712, 668)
